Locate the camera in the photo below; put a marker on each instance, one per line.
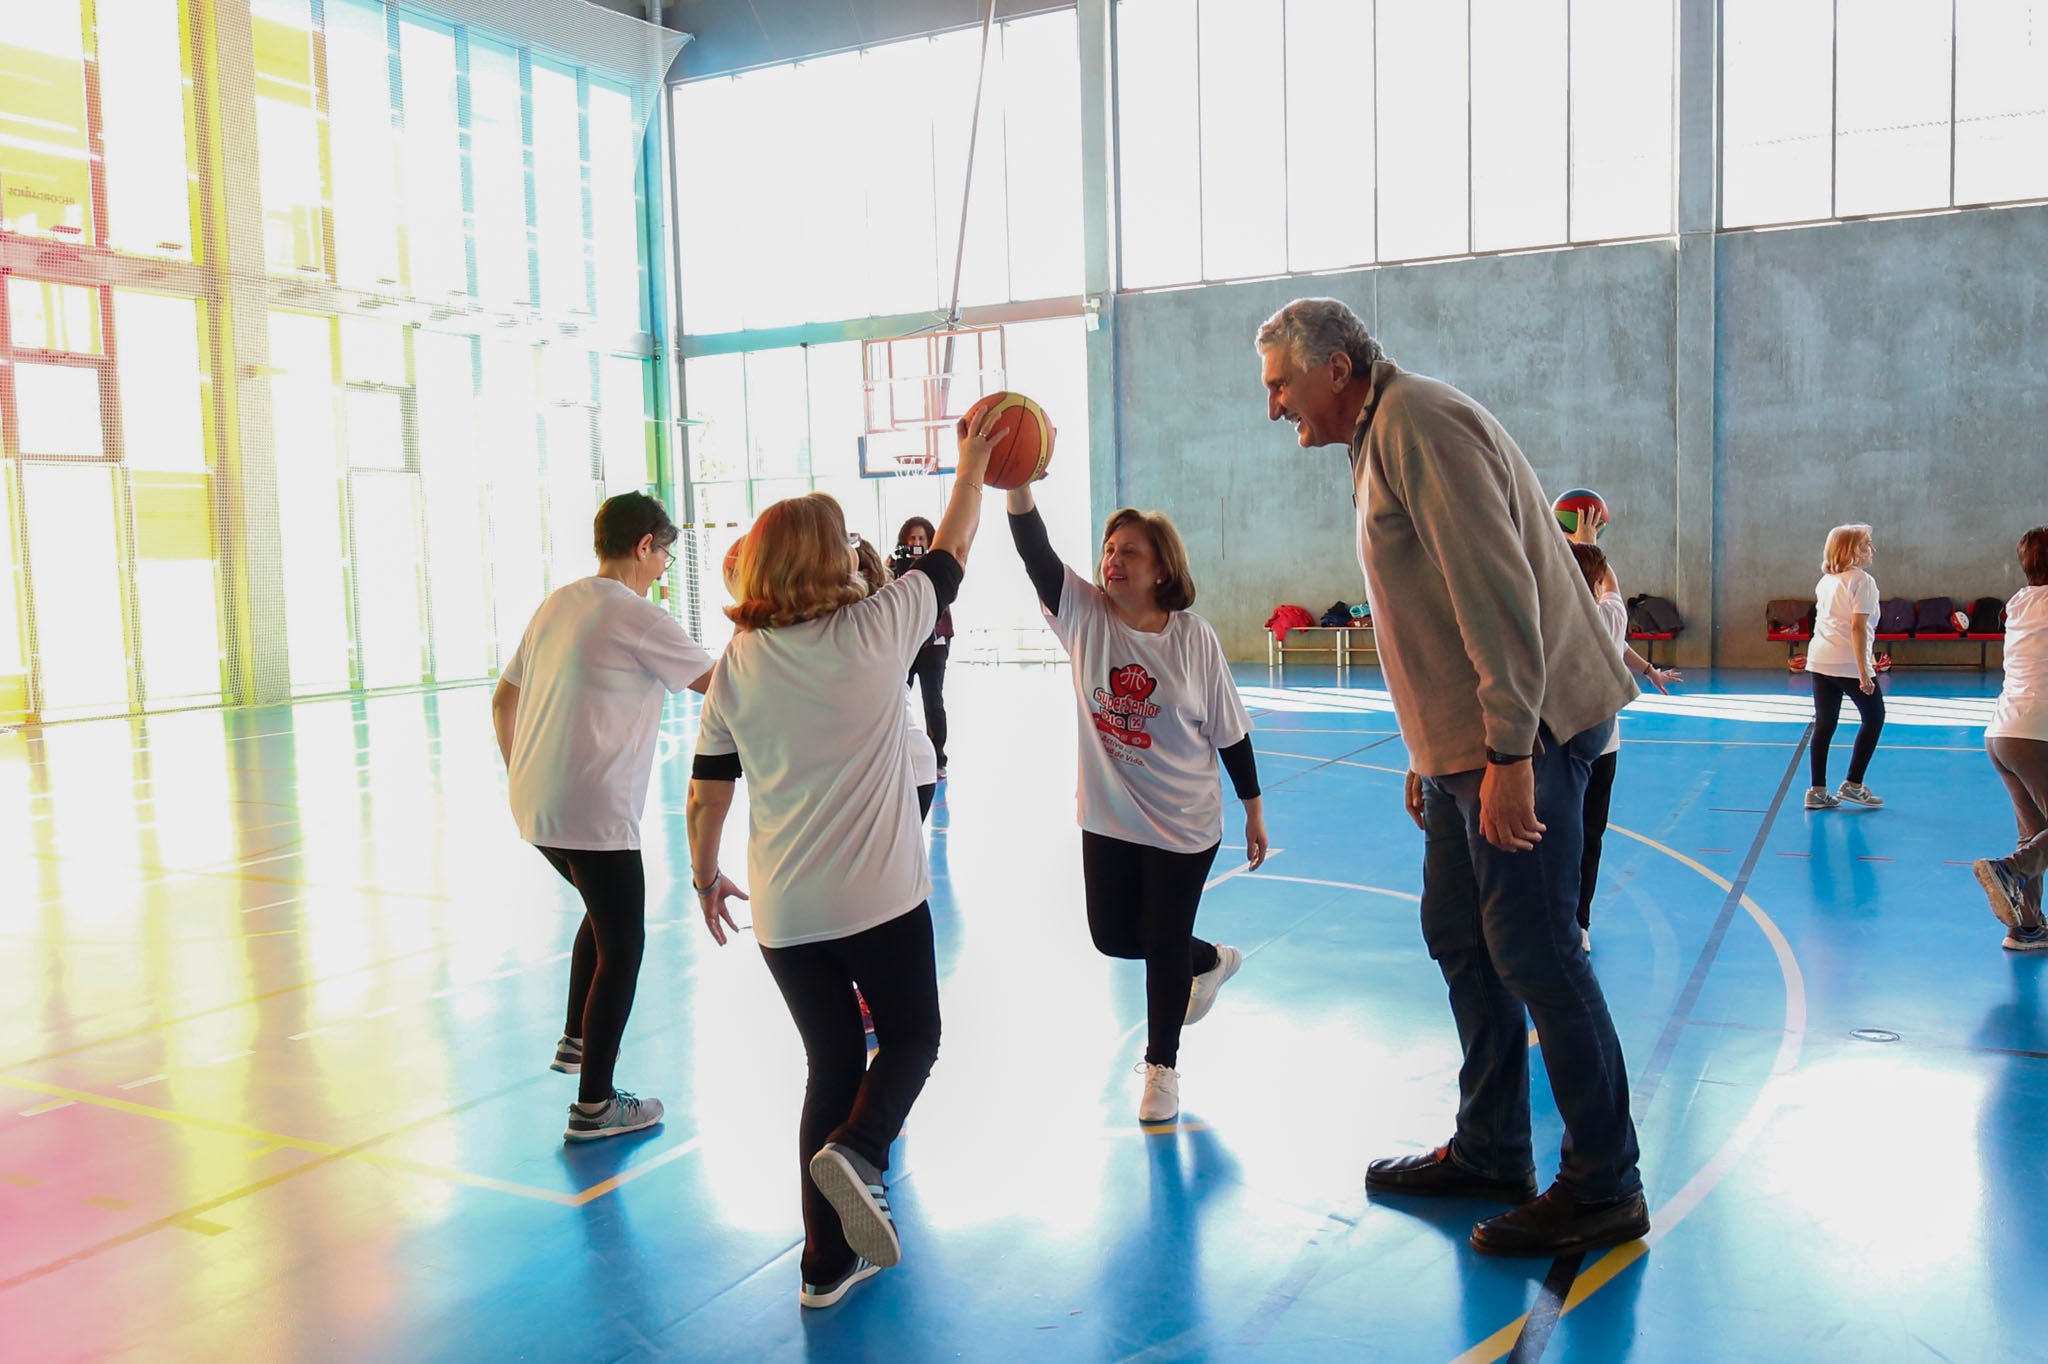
(902, 558)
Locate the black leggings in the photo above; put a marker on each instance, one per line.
(928, 670)
(604, 967)
(1141, 907)
(847, 1100)
(1599, 791)
(1828, 692)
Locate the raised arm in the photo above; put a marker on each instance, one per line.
(957, 527)
(1027, 529)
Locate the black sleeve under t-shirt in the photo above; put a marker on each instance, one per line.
(1048, 575)
(945, 572)
(1242, 767)
(716, 767)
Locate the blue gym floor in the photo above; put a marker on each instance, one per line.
(284, 986)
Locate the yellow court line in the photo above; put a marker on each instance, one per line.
(1665, 1219)
(625, 1177)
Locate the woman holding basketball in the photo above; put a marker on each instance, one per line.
(1156, 704)
(807, 703)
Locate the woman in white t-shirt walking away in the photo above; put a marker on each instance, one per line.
(1842, 662)
(1600, 785)
(577, 709)
(2017, 740)
(1156, 703)
(807, 704)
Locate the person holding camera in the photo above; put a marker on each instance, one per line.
(928, 670)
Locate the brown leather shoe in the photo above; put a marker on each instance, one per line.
(1557, 1225)
(1440, 1174)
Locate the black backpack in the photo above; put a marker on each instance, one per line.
(1339, 614)
(1789, 616)
(1987, 616)
(1934, 616)
(1648, 615)
(1895, 616)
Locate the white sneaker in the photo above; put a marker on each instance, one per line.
(1820, 798)
(1586, 939)
(1860, 794)
(1205, 987)
(1162, 1094)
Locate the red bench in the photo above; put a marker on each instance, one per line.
(1983, 639)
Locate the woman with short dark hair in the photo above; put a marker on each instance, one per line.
(928, 669)
(2017, 742)
(1156, 704)
(576, 711)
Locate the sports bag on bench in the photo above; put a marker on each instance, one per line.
(1789, 616)
(1894, 616)
(1987, 616)
(1648, 615)
(1934, 616)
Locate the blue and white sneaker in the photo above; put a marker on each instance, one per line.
(568, 1056)
(622, 1113)
(2006, 892)
(2027, 940)
(825, 1294)
(855, 1190)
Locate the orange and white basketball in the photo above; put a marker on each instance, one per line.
(1023, 439)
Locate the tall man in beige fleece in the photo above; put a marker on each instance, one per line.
(1506, 689)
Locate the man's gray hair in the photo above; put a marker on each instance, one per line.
(1314, 329)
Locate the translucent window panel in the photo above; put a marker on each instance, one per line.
(1776, 120)
(162, 380)
(1623, 106)
(1159, 153)
(359, 122)
(838, 414)
(2001, 100)
(829, 275)
(511, 444)
(558, 189)
(778, 415)
(453, 490)
(45, 175)
(985, 265)
(58, 409)
(376, 429)
(390, 633)
(290, 137)
(903, 196)
(715, 389)
(1891, 105)
(447, 403)
(565, 373)
(614, 205)
(74, 555)
(1042, 152)
(179, 613)
(773, 185)
(145, 126)
(497, 160)
(572, 495)
(708, 241)
(372, 352)
(436, 251)
(1243, 137)
(1423, 180)
(59, 317)
(1329, 134)
(12, 653)
(1519, 105)
(309, 502)
(622, 423)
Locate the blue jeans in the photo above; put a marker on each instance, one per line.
(1504, 928)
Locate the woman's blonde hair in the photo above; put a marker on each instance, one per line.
(1845, 546)
(794, 566)
(1176, 591)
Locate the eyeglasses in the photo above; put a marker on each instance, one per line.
(853, 539)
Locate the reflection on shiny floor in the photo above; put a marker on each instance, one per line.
(285, 985)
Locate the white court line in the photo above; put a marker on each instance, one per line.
(379, 1013)
(274, 904)
(1340, 885)
(50, 1107)
(227, 1057)
(145, 1080)
(310, 1032)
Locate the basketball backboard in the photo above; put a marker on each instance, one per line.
(914, 388)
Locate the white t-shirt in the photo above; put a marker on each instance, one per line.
(592, 669)
(1614, 615)
(815, 713)
(1154, 711)
(924, 759)
(1838, 599)
(2022, 711)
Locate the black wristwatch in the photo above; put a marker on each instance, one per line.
(1506, 759)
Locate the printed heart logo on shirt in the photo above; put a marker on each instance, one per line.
(1132, 681)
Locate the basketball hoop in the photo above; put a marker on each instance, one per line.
(914, 388)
